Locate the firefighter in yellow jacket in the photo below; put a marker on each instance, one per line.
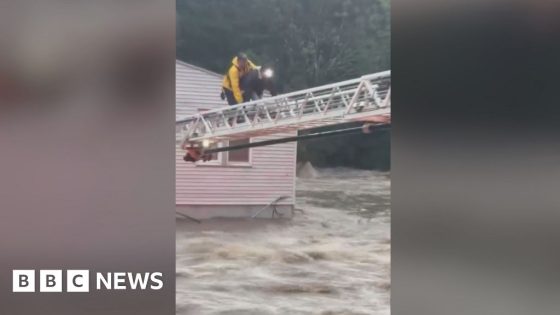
(240, 65)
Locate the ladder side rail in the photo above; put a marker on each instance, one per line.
(295, 93)
(333, 117)
(283, 110)
(241, 108)
(354, 96)
(294, 126)
(373, 76)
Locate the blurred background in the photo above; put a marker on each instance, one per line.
(86, 137)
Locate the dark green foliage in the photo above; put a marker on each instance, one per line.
(366, 151)
(308, 42)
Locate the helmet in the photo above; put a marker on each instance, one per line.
(242, 56)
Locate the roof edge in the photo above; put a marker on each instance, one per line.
(197, 68)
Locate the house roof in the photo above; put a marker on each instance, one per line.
(186, 64)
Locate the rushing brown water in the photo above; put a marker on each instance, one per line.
(332, 258)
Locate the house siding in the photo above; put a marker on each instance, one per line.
(270, 175)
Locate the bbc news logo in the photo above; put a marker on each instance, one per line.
(79, 281)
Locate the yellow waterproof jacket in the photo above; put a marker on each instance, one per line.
(231, 79)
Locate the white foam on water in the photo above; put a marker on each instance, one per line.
(334, 258)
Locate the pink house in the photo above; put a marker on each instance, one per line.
(233, 184)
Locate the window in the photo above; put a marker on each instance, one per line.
(214, 157)
(239, 156)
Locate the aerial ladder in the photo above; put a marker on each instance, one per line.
(366, 99)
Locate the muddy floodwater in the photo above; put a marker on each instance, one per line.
(332, 257)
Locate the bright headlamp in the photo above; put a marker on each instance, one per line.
(268, 73)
